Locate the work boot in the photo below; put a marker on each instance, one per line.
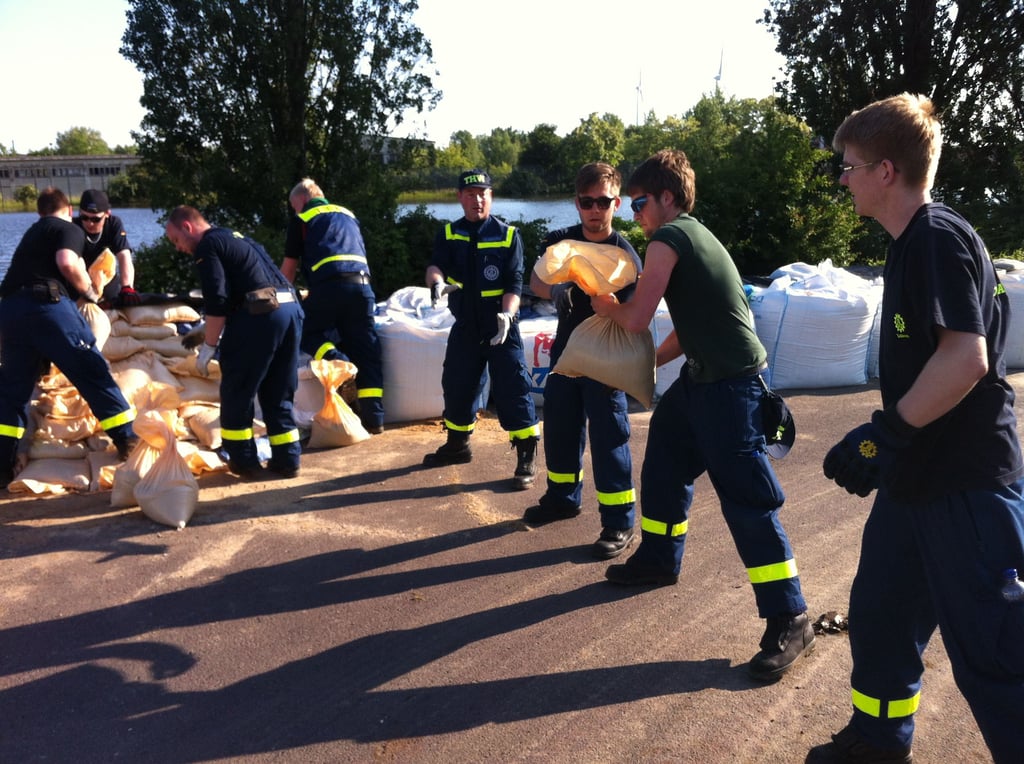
(549, 510)
(849, 747)
(612, 542)
(125, 445)
(526, 449)
(633, 573)
(786, 638)
(455, 451)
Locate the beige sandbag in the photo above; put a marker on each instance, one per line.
(98, 321)
(596, 268)
(186, 366)
(119, 348)
(135, 373)
(128, 475)
(335, 424)
(168, 313)
(200, 389)
(102, 466)
(168, 492)
(103, 269)
(146, 332)
(57, 449)
(204, 422)
(53, 476)
(200, 460)
(602, 350)
(168, 347)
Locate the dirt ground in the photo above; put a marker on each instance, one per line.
(372, 610)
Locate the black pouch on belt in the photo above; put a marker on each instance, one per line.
(46, 291)
(260, 301)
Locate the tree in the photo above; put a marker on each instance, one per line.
(80, 141)
(244, 98)
(594, 139)
(967, 55)
(26, 196)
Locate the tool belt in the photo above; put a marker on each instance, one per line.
(266, 300)
(46, 291)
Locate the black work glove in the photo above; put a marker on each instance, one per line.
(128, 297)
(194, 337)
(861, 461)
(561, 296)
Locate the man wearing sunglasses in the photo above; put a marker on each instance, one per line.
(106, 231)
(570, 403)
(710, 418)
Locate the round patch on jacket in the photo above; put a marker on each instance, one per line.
(491, 273)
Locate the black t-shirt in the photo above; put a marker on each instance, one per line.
(938, 274)
(112, 236)
(35, 258)
(581, 307)
(230, 265)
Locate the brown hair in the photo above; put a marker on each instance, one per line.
(182, 213)
(597, 172)
(903, 129)
(668, 170)
(51, 201)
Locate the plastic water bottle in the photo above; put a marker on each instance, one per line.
(1013, 588)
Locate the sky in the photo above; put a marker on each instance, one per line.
(509, 65)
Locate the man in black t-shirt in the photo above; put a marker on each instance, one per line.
(106, 231)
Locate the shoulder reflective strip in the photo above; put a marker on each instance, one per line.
(492, 293)
(617, 498)
(118, 419)
(10, 431)
(565, 477)
(323, 350)
(506, 242)
(339, 258)
(458, 427)
(292, 436)
(450, 235)
(864, 704)
(662, 529)
(526, 432)
(778, 571)
(370, 392)
(308, 215)
(245, 434)
(456, 283)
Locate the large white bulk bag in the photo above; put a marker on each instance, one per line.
(1013, 282)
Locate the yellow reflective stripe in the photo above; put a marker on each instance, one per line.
(11, 431)
(778, 571)
(662, 529)
(118, 419)
(492, 292)
(245, 434)
(565, 477)
(506, 242)
(323, 350)
(340, 258)
(370, 392)
(452, 281)
(450, 235)
(526, 432)
(292, 436)
(895, 709)
(309, 214)
(459, 427)
(616, 498)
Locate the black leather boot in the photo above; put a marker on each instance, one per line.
(526, 450)
(455, 451)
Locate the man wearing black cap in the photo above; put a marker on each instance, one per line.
(106, 231)
(478, 262)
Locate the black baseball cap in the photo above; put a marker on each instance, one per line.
(474, 178)
(94, 200)
(782, 438)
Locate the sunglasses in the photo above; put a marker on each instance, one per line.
(92, 218)
(639, 203)
(588, 202)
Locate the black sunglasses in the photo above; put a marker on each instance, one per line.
(602, 202)
(92, 218)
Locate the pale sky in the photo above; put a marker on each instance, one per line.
(507, 65)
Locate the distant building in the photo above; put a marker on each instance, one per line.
(71, 174)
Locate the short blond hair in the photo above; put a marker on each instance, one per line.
(307, 189)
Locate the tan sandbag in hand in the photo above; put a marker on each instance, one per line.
(102, 270)
(168, 492)
(596, 268)
(603, 351)
(335, 424)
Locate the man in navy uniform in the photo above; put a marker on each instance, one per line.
(106, 231)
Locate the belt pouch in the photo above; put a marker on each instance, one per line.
(260, 301)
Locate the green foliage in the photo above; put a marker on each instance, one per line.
(26, 196)
(159, 267)
(81, 140)
(130, 187)
(967, 56)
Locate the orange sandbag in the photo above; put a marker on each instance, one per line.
(335, 424)
(596, 268)
(168, 492)
(102, 270)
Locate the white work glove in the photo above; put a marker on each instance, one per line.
(438, 290)
(205, 356)
(504, 324)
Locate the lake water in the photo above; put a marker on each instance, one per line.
(144, 228)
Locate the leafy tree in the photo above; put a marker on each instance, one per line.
(462, 153)
(245, 97)
(501, 150)
(26, 196)
(967, 55)
(594, 139)
(81, 141)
